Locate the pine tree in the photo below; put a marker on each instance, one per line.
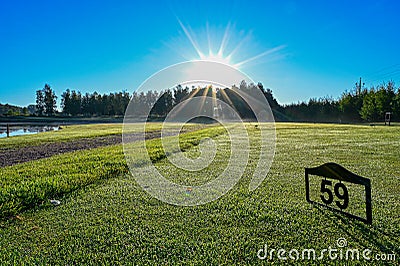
(49, 100)
(39, 102)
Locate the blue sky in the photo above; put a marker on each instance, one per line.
(316, 48)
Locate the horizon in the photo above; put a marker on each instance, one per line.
(300, 51)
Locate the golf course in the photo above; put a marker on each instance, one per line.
(100, 215)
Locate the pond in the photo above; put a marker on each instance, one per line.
(26, 129)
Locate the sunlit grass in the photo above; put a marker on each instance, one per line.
(73, 132)
(28, 184)
(114, 220)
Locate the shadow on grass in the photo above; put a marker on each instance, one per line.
(362, 233)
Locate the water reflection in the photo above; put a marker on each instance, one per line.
(25, 130)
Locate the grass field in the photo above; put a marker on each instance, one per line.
(105, 216)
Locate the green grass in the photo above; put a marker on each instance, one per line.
(74, 132)
(26, 185)
(114, 220)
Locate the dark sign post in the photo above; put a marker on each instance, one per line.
(336, 172)
(387, 118)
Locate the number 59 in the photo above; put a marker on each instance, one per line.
(340, 192)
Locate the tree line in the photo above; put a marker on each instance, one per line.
(357, 105)
(74, 103)
(94, 104)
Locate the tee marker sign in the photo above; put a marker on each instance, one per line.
(334, 192)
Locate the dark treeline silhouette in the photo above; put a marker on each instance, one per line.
(315, 110)
(358, 105)
(75, 104)
(170, 98)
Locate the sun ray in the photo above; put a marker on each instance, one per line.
(192, 94)
(203, 100)
(214, 96)
(224, 41)
(270, 51)
(242, 93)
(184, 102)
(237, 47)
(208, 38)
(226, 97)
(189, 36)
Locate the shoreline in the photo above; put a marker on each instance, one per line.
(24, 121)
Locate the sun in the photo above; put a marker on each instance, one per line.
(223, 55)
(219, 58)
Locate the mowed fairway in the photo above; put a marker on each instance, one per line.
(105, 216)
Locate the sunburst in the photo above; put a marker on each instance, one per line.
(223, 55)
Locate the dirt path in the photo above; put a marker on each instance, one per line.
(25, 154)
